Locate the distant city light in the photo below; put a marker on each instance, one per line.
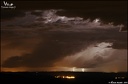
(65, 77)
(119, 77)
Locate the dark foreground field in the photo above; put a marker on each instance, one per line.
(49, 77)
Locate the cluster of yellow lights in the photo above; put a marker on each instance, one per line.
(65, 77)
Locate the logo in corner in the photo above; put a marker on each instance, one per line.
(8, 5)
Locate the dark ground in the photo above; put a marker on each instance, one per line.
(49, 77)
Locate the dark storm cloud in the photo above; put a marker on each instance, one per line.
(11, 14)
(37, 13)
(109, 11)
(52, 44)
(19, 39)
(54, 47)
(120, 45)
(14, 61)
(124, 29)
(57, 45)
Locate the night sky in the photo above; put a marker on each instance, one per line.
(64, 36)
